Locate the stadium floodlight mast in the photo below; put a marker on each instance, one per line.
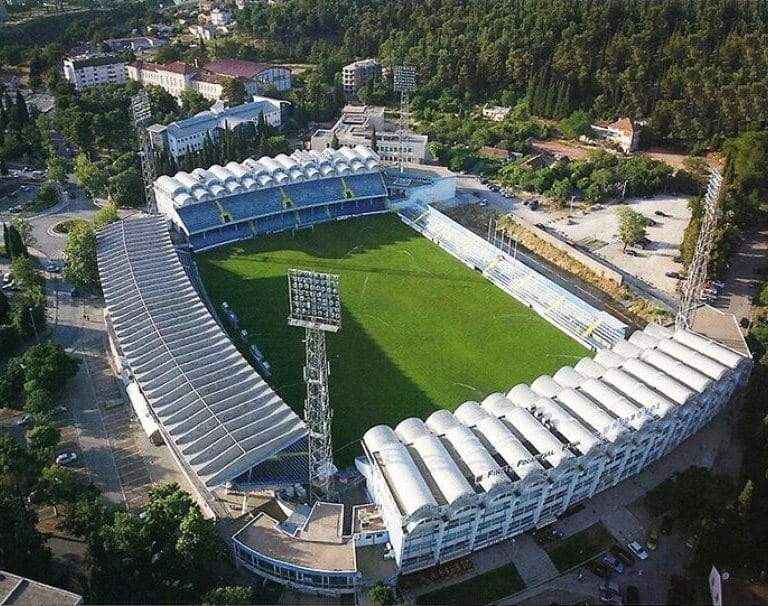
(404, 83)
(315, 305)
(697, 270)
(142, 114)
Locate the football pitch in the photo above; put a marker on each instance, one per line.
(420, 331)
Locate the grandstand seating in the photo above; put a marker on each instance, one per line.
(240, 216)
(589, 326)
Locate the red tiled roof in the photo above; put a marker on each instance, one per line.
(210, 78)
(237, 68)
(625, 124)
(176, 67)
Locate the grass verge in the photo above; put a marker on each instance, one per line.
(581, 547)
(482, 589)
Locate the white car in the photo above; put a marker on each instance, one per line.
(66, 458)
(24, 420)
(638, 550)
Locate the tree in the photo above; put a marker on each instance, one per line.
(24, 228)
(381, 595)
(193, 102)
(87, 514)
(107, 214)
(90, 176)
(56, 169)
(127, 188)
(233, 91)
(164, 557)
(48, 193)
(5, 307)
(42, 439)
(22, 547)
(231, 594)
(55, 486)
(80, 250)
(14, 245)
(25, 273)
(28, 313)
(577, 124)
(631, 225)
(374, 140)
(335, 141)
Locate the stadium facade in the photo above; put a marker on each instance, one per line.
(223, 204)
(461, 481)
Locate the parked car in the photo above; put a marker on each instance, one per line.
(636, 548)
(599, 569)
(672, 274)
(633, 595)
(660, 213)
(60, 408)
(609, 597)
(630, 252)
(667, 522)
(608, 586)
(653, 539)
(622, 554)
(66, 458)
(53, 267)
(7, 277)
(541, 226)
(16, 209)
(10, 286)
(24, 420)
(744, 322)
(650, 222)
(678, 259)
(613, 562)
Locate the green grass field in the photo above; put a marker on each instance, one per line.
(420, 331)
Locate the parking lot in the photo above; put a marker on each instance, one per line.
(597, 232)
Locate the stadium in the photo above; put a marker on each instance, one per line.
(548, 437)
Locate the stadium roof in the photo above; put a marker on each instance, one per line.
(221, 416)
(489, 446)
(236, 177)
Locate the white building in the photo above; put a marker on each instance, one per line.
(219, 16)
(176, 76)
(354, 75)
(459, 482)
(497, 113)
(356, 126)
(625, 133)
(204, 32)
(173, 77)
(87, 71)
(184, 136)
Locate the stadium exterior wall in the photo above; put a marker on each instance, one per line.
(457, 483)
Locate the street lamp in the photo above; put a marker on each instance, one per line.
(34, 326)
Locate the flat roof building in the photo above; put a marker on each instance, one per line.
(21, 591)
(356, 127)
(86, 71)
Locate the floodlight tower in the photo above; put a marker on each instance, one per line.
(316, 306)
(697, 270)
(405, 83)
(142, 114)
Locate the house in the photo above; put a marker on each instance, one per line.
(204, 32)
(497, 153)
(496, 113)
(624, 132)
(219, 16)
(173, 77)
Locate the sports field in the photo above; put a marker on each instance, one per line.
(420, 331)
